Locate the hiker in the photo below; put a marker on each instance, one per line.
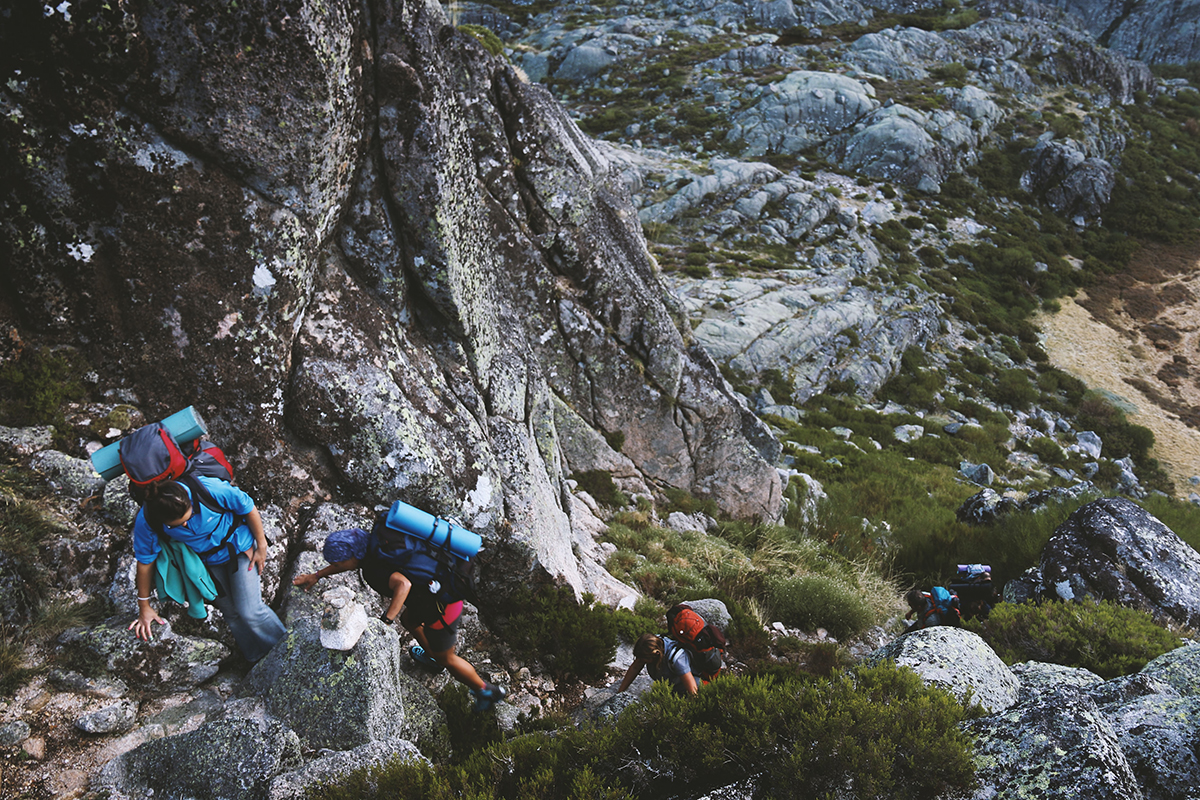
(704, 642)
(933, 608)
(432, 624)
(921, 606)
(664, 659)
(974, 586)
(231, 544)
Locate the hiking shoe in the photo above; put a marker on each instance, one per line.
(421, 657)
(488, 696)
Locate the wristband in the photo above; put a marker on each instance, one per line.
(383, 618)
(147, 599)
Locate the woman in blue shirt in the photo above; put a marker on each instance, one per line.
(229, 540)
(665, 660)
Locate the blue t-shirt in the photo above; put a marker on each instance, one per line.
(675, 664)
(205, 529)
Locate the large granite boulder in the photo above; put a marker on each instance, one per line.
(1113, 549)
(372, 256)
(228, 759)
(332, 766)
(1166, 33)
(1056, 745)
(342, 699)
(1075, 186)
(802, 110)
(958, 661)
(169, 661)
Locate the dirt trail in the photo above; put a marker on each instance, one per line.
(1137, 336)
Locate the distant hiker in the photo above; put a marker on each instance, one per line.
(935, 607)
(665, 660)
(219, 522)
(974, 586)
(704, 641)
(417, 599)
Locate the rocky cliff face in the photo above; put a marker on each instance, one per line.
(372, 256)
(1151, 32)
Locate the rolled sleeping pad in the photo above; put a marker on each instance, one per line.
(439, 531)
(184, 426)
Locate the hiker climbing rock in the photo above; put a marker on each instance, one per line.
(424, 583)
(936, 607)
(197, 538)
(217, 522)
(665, 660)
(704, 642)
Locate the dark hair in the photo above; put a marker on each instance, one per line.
(166, 501)
(915, 599)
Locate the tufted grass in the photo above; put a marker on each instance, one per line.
(764, 572)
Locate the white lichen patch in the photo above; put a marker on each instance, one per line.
(264, 281)
(81, 251)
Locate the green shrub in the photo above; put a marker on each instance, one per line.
(646, 617)
(486, 36)
(816, 601)
(599, 484)
(13, 672)
(1014, 388)
(466, 730)
(572, 639)
(23, 528)
(879, 730)
(1047, 450)
(35, 387)
(1105, 638)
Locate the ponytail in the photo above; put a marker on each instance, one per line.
(650, 648)
(166, 501)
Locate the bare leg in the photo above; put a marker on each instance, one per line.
(459, 667)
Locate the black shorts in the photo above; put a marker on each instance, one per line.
(420, 608)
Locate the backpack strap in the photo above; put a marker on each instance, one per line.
(201, 493)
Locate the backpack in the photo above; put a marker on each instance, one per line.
(689, 629)
(150, 454)
(944, 603)
(448, 577)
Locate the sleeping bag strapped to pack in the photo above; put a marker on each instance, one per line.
(435, 552)
(162, 451)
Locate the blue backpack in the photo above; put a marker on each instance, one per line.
(448, 577)
(945, 605)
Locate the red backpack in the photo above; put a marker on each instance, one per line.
(702, 638)
(150, 454)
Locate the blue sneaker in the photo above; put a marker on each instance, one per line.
(488, 696)
(421, 657)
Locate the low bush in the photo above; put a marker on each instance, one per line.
(486, 36)
(599, 484)
(879, 730)
(1047, 450)
(35, 387)
(570, 638)
(1105, 638)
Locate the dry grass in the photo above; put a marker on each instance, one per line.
(1118, 355)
